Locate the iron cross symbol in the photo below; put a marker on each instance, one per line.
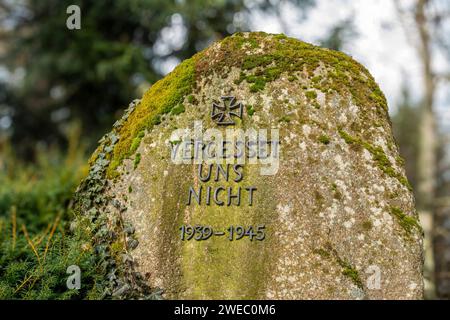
(223, 112)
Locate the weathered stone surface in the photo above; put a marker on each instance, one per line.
(338, 210)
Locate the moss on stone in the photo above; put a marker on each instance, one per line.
(316, 80)
(250, 110)
(291, 55)
(378, 155)
(322, 252)
(137, 159)
(347, 269)
(408, 223)
(324, 139)
(161, 98)
(367, 225)
(178, 110)
(352, 273)
(285, 119)
(347, 138)
(311, 94)
(117, 247)
(283, 55)
(136, 142)
(337, 194)
(319, 197)
(400, 161)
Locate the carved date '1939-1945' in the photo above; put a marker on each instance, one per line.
(199, 232)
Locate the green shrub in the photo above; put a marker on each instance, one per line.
(36, 245)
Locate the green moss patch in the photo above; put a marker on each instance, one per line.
(178, 110)
(352, 273)
(283, 54)
(378, 155)
(163, 97)
(324, 139)
(286, 119)
(250, 110)
(311, 94)
(347, 269)
(408, 223)
(137, 159)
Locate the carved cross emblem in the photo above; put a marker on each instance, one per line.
(224, 111)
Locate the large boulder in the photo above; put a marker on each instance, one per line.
(328, 214)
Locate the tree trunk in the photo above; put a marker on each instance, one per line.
(427, 146)
(427, 143)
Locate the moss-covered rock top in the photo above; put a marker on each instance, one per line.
(262, 58)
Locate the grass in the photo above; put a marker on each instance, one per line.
(36, 244)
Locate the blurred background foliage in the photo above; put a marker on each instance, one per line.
(92, 74)
(35, 247)
(60, 91)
